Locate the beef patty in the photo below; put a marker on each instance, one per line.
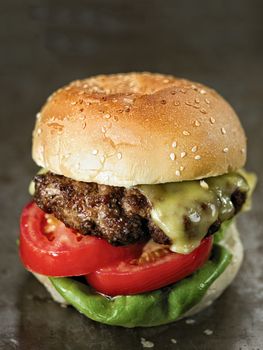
(119, 215)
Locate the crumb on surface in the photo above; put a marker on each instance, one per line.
(189, 321)
(146, 343)
(14, 341)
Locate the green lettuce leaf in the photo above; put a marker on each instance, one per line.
(147, 309)
(220, 234)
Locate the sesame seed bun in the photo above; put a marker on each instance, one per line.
(138, 128)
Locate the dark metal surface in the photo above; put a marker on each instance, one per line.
(45, 44)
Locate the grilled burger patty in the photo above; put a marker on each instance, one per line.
(118, 214)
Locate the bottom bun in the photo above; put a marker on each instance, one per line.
(231, 242)
(234, 245)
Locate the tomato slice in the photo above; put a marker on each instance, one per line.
(49, 248)
(151, 271)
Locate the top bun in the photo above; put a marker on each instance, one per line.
(138, 128)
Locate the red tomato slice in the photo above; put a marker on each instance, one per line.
(152, 271)
(49, 248)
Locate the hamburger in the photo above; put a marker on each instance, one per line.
(141, 177)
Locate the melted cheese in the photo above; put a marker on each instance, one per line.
(185, 210)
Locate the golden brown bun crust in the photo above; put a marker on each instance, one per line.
(138, 128)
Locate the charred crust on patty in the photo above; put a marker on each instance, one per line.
(113, 213)
(238, 198)
(214, 227)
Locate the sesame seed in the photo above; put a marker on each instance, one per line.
(194, 149)
(208, 332)
(128, 100)
(188, 103)
(223, 130)
(204, 184)
(242, 150)
(39, 131)
(186, 133)
(183, 91)
(174, 341)
(197, 100)
(183, 154)
(177, 173)
(202, 91)
(107, 116)
(174, 144)
(94, 152)
(194, 87)
(172, 156)
(225, 150)
(207, 101)
(212, 120)
(202, 110)
(103, 129)
(197, 123)
(38, 115)
(73, 103)
(197, 157)
(119, 155)
(177, 103)
(181, 168)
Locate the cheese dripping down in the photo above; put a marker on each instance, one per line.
(186, 210)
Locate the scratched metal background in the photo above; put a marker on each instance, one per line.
(44, 44)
